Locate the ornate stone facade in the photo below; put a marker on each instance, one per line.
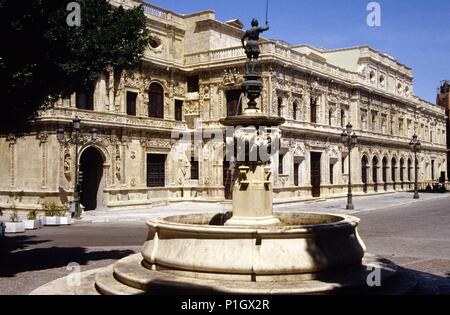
(197, 62)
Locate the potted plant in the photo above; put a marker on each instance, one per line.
(54, 214)
(32, 223)
(15, 225)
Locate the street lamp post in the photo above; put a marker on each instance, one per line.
(350, 139)
(77, 141)
(415, 146)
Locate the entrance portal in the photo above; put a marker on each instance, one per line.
(91, 168)
(315, 173)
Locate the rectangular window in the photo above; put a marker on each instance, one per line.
(313, 111)
(233, 106)
(156, 170)
(343, 165)
(280, 164)
(131, 103)
(193, 84)
(331, 174)
(178, 110)
(296, 171)
(194, 170)
(84, 99)
(432, 169)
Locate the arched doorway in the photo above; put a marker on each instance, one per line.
(393, 173)
(402, 171)
(375, 173)
(410, 169)
(385, 166)
(91, 168)
(364, 163)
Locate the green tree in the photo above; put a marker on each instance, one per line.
(42, 58)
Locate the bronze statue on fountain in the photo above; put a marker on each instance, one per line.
(252, 86)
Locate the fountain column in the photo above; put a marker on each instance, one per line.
(256, 139)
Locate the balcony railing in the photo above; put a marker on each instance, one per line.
(153, 10)
(269, 48)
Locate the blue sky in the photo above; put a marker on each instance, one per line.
(415, 32)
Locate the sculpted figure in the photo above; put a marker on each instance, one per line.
(250, 40)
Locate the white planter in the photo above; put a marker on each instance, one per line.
(65, 221)
(49, 221)
(32, 224)
(14, 227)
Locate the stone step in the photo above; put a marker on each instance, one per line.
(130, 271)
(106, 284)
(87, 286)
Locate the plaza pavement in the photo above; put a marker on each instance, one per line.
(334, 206)
(414, 234)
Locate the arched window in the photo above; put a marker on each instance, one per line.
(375, 172)
(156, 101)
(364, 163)
(402, 171)
(393, 172)
(330, 117)
(410, 167)
(385, 167)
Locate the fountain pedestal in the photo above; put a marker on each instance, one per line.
(252, 197)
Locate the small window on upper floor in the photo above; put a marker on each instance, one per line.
(178, 110)
(280, 107)
(131, 103)
(382, 80)
(195, 173)
(407, 91)
(234, 103)
(193, 84)
(85, 99)
(372, 76)
(313, 111)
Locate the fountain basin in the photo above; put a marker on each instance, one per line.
(304, 246)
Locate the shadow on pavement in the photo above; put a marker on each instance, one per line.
(19, 242)
(15, 258)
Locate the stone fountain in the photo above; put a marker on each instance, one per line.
(251, 250)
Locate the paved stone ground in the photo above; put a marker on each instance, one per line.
(413, 234)
(362, 204)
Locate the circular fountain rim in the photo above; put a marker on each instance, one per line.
(346, 221)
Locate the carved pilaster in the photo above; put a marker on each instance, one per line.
(12, 139)
(43, 139)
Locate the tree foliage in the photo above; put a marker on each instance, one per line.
(42, 58)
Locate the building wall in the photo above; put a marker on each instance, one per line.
(384, 119)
